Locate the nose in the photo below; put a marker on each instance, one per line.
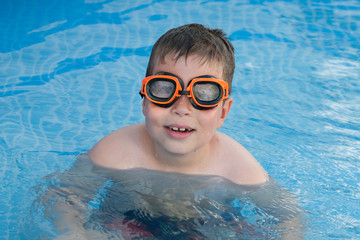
(182, 106)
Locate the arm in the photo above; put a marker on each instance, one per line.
(66, 200)
(283, 205)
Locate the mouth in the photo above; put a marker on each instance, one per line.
(180, 129)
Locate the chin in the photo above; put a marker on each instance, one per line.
(178, 151)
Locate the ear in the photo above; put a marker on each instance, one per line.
(143, 106)
(224, 111)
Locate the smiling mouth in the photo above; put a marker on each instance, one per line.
(176, 129)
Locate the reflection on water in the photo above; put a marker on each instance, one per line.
(144, 204)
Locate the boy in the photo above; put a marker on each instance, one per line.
(185, 100)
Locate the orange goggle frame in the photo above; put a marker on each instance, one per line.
(177, 85)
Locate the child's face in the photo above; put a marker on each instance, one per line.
(166, 125)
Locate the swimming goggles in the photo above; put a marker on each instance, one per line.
(205, 92)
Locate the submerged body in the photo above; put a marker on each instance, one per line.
(107, 203)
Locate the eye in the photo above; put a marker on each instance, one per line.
(206, 91)
(162, 89)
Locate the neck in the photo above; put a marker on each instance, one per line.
(189, 163)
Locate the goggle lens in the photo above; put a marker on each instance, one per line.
(161, 88)
(206, 92)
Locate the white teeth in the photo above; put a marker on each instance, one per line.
(180, 129)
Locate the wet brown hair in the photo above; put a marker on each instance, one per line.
(211, 45)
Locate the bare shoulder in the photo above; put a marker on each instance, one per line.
(121, 148)
(241, 167)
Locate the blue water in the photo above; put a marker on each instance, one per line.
(70, 74)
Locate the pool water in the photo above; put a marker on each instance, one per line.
(70, 74)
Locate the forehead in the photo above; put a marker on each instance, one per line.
(188, 66)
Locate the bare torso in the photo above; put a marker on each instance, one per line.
(131, 147)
